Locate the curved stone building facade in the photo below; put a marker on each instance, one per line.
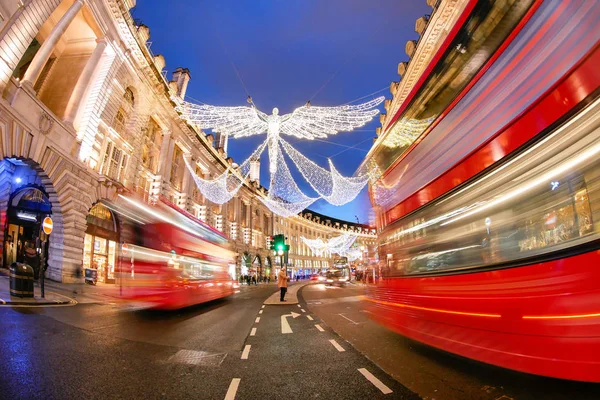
(85, 114)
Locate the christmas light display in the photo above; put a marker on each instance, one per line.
(406, 131)
(306, 122)
(353, 254)
(337, 245)
(222, 189)
(331, 186)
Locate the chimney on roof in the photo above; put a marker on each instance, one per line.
(255, 170)
(179, 82)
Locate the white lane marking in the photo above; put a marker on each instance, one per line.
(236, 291)
(378, 384)
(302, 309)
(299, 306)
(309, 317)
(319, 328)
(342, 315)
(257, 320)
(285, 325)
(336, 345)
(263, 306)
(253, 332)
(246, 352)
(260, 312)
(233, 387)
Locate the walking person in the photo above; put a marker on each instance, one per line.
(282, 282)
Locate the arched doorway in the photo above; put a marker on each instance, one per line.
(257, 266)
(246, 264)
(24, 240)
(268, 266)
(101, 243)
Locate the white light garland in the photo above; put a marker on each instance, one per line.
(337, 245)
(332, 186)
(222, 189)
(306, 122)
(353, 254)
(406, 131)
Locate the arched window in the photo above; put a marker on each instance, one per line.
(124, 112)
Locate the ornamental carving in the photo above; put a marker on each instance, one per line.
(45, 123)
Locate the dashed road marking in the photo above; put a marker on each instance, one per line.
(319, 328)
(246, 352)
(354, 322)
(263, 306)
(378, 384)
(336, 345)
(299, 306)
(233, 387)
(309, 317)
(257, 320)
(302, 309)
(260, 312)
(253, 332)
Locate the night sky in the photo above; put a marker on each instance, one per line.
(287, 52)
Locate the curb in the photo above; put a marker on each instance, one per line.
(36, 304)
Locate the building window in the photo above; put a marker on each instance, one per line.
(124, 111)
(144, 188)
(201, 213)
(196, 193)
(114, 163)
(151, 146)
(177, 165)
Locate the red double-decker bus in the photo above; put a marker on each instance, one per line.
(169, 260)
(489, 214)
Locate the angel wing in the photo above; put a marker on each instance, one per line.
(232, 121)
(309, 122)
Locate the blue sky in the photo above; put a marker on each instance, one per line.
(287, 52)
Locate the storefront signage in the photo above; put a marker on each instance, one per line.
(26, 216)
(47, 225)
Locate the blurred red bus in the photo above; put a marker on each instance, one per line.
(169, 260)
(489, 221)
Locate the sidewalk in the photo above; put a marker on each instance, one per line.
(52, 298)
(291, 295)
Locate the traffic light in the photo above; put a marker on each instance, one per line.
(270, 243)
(278, 244)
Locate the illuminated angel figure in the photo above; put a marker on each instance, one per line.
(306, 122)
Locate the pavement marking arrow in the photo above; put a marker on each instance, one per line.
(285, 325)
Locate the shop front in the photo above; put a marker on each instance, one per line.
(24, 239)
(101, 243)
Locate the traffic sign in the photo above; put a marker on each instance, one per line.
(47, 225)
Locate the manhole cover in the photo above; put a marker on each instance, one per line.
(200, 358)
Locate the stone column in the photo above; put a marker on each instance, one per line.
(43, 54)
(163, 159)
(84, 81)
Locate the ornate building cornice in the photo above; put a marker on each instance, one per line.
(433, 34)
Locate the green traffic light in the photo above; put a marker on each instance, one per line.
(279, 247)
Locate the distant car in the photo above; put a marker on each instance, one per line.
(335, 277)
(314, 277)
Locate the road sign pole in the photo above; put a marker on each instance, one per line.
(47, 227)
